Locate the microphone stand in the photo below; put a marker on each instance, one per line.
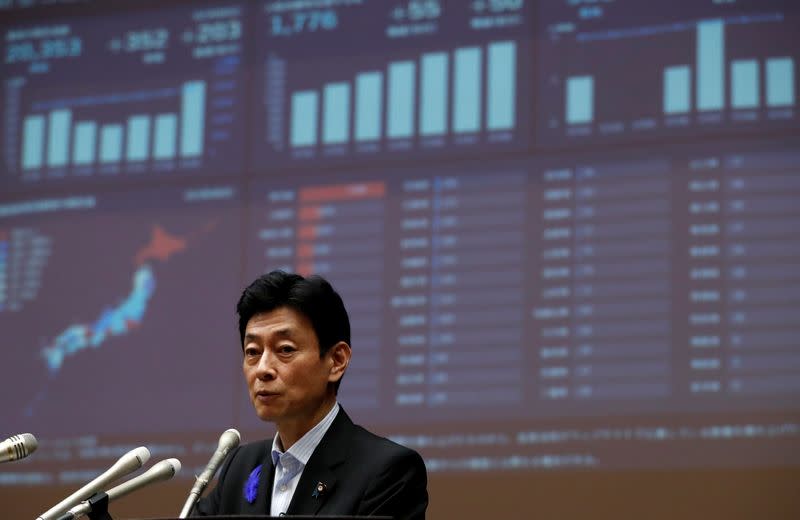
(99, 503)
(99, 508)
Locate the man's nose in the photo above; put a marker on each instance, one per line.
(265, 369)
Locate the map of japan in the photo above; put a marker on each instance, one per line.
(124, 316)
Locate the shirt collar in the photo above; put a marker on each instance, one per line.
(303, 448)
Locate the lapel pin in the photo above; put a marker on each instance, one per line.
(251, 486)
(319, 490)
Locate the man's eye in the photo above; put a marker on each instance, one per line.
(251, 352)
(286, 349)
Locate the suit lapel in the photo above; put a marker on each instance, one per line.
(318, 481)
(263, 501)
(312, 491)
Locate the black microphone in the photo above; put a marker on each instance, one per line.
(17, 447)
(128, 463)
(164, 470)
(227, 441)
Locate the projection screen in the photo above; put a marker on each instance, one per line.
(566, 232)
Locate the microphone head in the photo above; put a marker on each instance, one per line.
(29, 443)
(229, 439)
(18, 447)
(163, 470)
(142, 454)
(175, 464)
(134, 459)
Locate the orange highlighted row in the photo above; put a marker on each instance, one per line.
(307, 232)
(310, 213)
(353, 191)
(305, 250)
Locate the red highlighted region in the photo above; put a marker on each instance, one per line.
(162, 246)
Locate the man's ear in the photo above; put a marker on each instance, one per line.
(340, 358)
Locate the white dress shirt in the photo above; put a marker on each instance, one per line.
(289, 464)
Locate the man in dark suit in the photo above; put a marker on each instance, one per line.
(295, 336)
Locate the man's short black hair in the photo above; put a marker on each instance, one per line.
(311, 296)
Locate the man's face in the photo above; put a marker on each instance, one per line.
(287, 379)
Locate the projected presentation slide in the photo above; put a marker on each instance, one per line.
(399, 80)
(115, 298)
(567, 232)
(649, 283)
(104, 98)
(624, 70)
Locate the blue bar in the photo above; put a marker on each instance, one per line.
(32, 142)
(305, 105)
(580, 100)
(193, 110)
(710, 71)
(677, 89)
(336, 113)
(433, 100)
(165, 136)
(501, 91)
(400, 119)
(110, 143)
(138, 138)
(467, 90)
(83, 148)
(369, 106)
(58, 137)
(780, 82)
(744, 84)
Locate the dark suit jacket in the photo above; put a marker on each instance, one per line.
(362, 474)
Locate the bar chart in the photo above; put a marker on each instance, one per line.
(745, 81)
(473, 67)
(87, 102)
(46, 136)
(415, 95)
(744, 77)
(698, 71)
